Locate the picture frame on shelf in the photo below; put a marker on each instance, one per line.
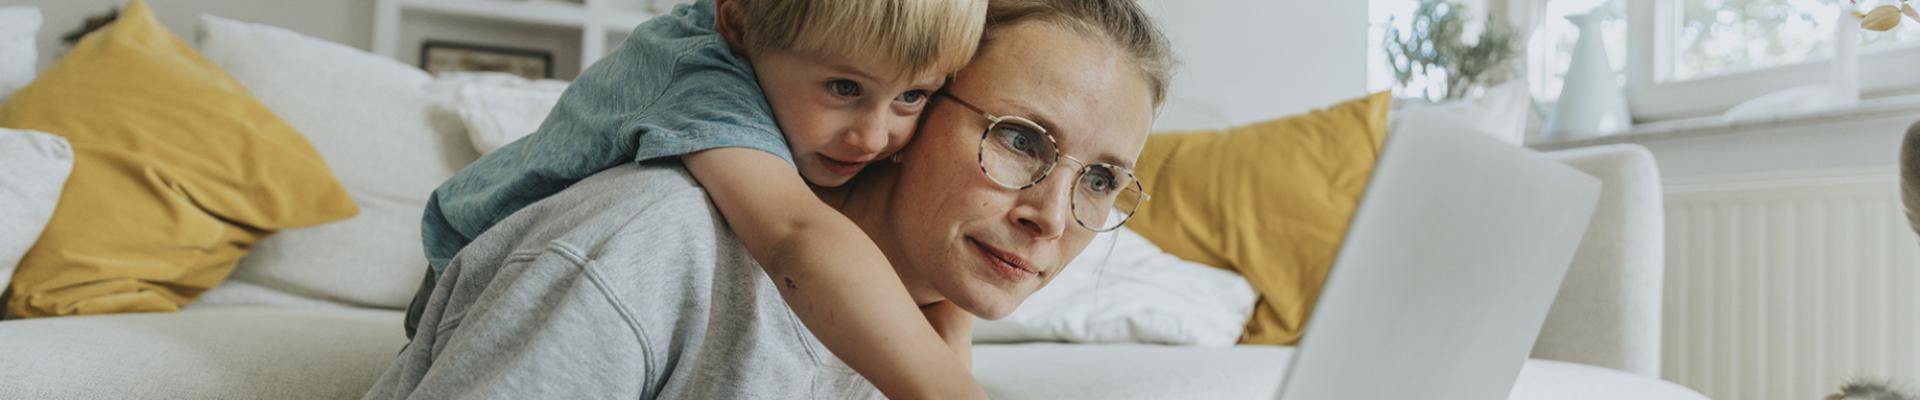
(438, 56)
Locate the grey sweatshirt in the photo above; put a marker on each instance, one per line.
(626, 285)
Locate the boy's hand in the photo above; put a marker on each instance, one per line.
(832, 276)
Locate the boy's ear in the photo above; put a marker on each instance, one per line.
(727, 20)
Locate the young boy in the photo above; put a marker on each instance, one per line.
(729, 87)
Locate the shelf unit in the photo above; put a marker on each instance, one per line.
(596, 19)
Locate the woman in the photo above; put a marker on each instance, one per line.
(628, 284)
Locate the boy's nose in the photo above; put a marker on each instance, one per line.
(870, 135)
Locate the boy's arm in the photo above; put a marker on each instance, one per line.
(832, 275)
(955, 327)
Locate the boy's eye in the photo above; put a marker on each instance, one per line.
(912, 97)
(843, 88)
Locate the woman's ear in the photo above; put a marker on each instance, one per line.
(727, 20)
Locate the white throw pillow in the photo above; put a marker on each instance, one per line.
(19, 26)
(387, 138)
(500, 108)
(33, 168)
(1500, 111)
(1125, 289)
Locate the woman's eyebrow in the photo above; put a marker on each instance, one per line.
(1109, 158)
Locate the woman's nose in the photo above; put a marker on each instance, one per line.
(1043, 209)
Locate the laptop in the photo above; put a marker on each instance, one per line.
(1447, 271)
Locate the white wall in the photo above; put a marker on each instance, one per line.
(1243, 60)
(348, 22)
(1258, 59)
(344, 21)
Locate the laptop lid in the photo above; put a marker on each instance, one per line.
(1447, 272)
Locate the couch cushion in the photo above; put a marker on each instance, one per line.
(1124, 289)
(388, 137)
(1270, 200)
(1131, 371)
(33, 167)
(18, 27)
(499, 108)
(177, 172)
(1559, 380)
(1608, 311)
(220, 353)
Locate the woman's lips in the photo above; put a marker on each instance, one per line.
(841, 167)
(1009, 266)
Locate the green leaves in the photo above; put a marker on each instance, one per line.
(1437, 41)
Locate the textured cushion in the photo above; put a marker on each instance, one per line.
(1124, 289)
(389, 138)
(18, 27)
(1269, 200)
(1608, 310)
(1556, 380)
(220, 353)
(177, 172)
(33, 167)
(1500, 112)
(500, 108)
(1129, 371)
(1120, 372)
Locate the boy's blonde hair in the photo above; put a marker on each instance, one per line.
(917, 36)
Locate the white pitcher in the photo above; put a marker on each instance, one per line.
(1591, 100)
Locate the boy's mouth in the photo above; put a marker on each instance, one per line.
(839, 167)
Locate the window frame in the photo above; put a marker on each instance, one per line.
(1651, 29)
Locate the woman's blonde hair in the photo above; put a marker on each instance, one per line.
(917, 36)
(1122, 22)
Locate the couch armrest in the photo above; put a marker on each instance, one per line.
(1608, 311)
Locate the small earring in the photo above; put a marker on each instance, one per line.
(898, 157)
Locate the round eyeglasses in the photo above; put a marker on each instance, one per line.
(1017, 153)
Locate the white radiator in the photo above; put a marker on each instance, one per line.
(1784, 287)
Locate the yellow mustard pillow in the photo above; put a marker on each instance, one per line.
(177, 171)
(1270, 200)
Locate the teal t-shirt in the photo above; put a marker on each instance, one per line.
(673, 88)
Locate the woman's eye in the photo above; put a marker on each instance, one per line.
(843, 88)
(1020, 141)
(912, 97)
(1026, 143)
(1099, 180)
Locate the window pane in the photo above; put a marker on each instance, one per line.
(1548, 48)
(1722, 36)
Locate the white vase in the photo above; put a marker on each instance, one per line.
(1844, 70)
(1591, 100)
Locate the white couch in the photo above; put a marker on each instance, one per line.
(1600, 342)
(302, 319)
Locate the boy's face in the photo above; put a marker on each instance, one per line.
(840, 113)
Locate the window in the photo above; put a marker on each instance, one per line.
(1715, 37)
(1545, 54)
(1687, 58)
(1700, 57)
